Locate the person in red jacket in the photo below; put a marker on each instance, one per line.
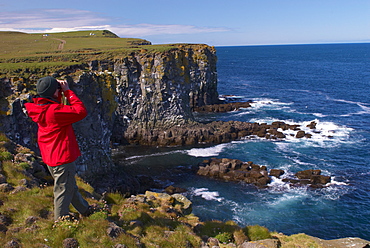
(57, 141)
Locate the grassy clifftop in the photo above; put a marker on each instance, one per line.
(20, 52)
(17, 46)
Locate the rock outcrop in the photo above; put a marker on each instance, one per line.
(235, 170)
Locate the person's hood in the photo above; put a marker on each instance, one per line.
(37, 109)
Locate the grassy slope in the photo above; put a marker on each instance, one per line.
(20, 52)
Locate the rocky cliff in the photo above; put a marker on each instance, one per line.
(138, 92)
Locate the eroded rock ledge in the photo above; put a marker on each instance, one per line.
(238, 171)
(217, 132)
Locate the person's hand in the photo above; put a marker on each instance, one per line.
(64, 85)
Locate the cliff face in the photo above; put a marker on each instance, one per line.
(142, 91)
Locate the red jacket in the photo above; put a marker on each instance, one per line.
(56, 138)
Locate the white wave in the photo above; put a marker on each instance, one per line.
(208, 195)
(153, 155)
(325, 134)
(333, 182)
(290, 197)
(258, 103)
(277, 184)
(230, 96)
(319, 115)
(334, 192)
(207, 152)
(365, 109)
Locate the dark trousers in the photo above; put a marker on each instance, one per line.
(66, 190)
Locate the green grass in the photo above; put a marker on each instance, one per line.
(22, 47)
(18, 45)
(23, 54)
(257, 232)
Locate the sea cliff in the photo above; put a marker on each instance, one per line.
(125, 94)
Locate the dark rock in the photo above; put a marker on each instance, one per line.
(309, 177)
(290, 180)
(320, 179)
(276, 173)
(173, 190)
(300, 134)
(3, 228)
(114, 231)
(307, 174)
(5, 220)
(308, 135)
(70, 243)
(235, 170)
(146, 182)
(312, 125)
(45, 214)
(250, 173)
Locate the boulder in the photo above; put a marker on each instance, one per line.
(309, 177)
(173, 190)
(234, 170)
(276, 173)
(300, 134)
(186, 205)
(114, 231)
(312, 125)
(307, 174)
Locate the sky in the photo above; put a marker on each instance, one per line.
(216, 22)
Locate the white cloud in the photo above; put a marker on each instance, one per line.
(153, 29)
(62, 20)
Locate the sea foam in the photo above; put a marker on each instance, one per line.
(208, 195)
(207, 152)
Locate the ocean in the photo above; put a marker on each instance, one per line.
(296, 84)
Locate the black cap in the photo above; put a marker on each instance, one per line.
(47, 86)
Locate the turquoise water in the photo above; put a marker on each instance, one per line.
(297, 84)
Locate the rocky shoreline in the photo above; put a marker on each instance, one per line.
(216, 132)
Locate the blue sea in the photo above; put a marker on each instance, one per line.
(296, 84)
